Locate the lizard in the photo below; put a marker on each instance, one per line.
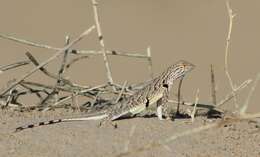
(155, 93)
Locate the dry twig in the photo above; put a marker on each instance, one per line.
(73, 51)
(47, 61)
(231, 17)
(195, 106)
(121, 92)
(69, 64)
(55, 91)
(213, 86)
(13, 65)
(29, 43)
(179, 96)
(245, 106)
(64, 61)
(71, 96)
(231, 95)
(42, 69)
(101, 41)
(150, 64)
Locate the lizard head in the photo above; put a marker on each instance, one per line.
(179, 69)
(182, 67)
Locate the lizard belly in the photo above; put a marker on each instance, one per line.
(137, 109)
(155, 98)
(133, 111)
(141, 107)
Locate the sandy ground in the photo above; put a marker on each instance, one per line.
(86, 139)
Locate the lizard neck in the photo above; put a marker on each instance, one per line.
(169, 76)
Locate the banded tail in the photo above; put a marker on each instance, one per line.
(98, 117)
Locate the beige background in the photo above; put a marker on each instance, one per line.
(175, 29)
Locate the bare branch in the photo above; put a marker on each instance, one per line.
(13, 65)
(55, 91)
(150, 64)
(245, 106)
(77, 93)
(231, 95)
(74, 51)
(75, 60)
(121, 92)
(26, 42)
(69, 89)
(195, 106)
(101, 41)
(36, 63)
(47, 61)
(179, 96)
(231, 17)
(110, 52)
(63, 62)
(213, 86)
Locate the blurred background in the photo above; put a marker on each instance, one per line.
(174, 29)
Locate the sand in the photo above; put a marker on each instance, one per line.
(87, 139)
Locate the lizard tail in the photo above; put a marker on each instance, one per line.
(59, 121)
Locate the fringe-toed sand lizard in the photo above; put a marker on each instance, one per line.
(155, 93)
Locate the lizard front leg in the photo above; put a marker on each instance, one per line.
(159, 111)
(162, 108)
(109, 120)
